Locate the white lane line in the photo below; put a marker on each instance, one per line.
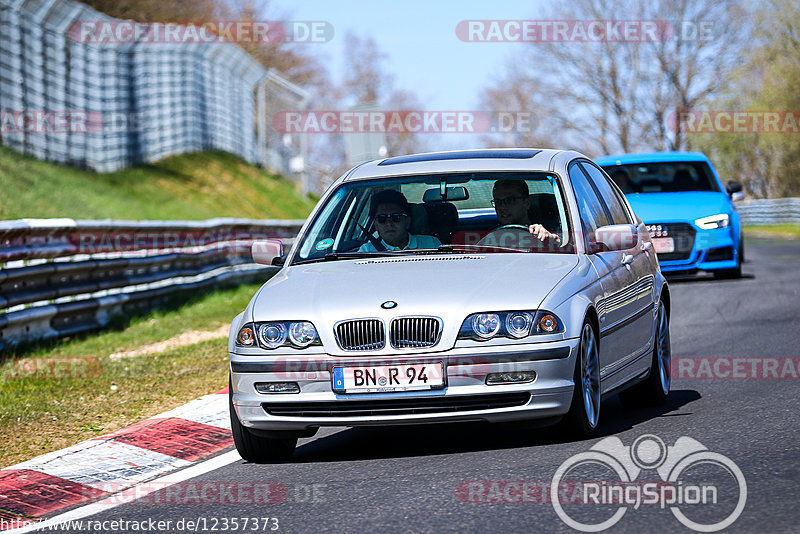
(121, 498)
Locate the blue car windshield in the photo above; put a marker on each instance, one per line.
(666, 177)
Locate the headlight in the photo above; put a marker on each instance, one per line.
(486, 325)
(512, 324)
(302, 334)
(518, 324)
(712, 222)
(274, 334)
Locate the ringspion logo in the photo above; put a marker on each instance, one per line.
(704, 490)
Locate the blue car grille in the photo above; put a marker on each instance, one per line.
(683, 235)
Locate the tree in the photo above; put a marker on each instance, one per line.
(616, 95)
(768, 164)
(701, 58)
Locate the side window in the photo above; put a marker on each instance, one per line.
(615, 206)
(592, 212)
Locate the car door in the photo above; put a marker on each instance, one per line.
(641, 293)
(615, 277)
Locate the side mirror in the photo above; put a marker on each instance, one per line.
(735, 190)
(264, 251)
(616, 237)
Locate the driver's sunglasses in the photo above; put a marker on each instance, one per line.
(394, 217)
(505, 201)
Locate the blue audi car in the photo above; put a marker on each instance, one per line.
(689, 213)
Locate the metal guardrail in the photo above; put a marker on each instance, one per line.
(133, 100)
(60, 276)
(769, 211)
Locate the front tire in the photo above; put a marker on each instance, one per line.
(254, 448)
(583, 417)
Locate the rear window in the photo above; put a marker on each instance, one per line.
(667, 177)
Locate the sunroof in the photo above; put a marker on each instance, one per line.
(466, 154)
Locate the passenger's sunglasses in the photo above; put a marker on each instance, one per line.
(394, 217)
(506, 201)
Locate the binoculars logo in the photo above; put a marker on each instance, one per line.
(706, 491)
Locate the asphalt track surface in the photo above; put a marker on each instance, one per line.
(403, 479)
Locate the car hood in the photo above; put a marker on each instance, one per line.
(450, 287)
(685, 206)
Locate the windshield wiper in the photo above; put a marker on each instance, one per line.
(333, 256)
(480, 248)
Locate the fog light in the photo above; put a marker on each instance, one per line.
(277, 387)
(513, 377)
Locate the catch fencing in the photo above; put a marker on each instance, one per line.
(125, 103)
(769, 211)
(60, 276)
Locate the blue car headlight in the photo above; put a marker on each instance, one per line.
(712, 222)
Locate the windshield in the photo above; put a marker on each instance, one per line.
(672, 177)
(432, 214)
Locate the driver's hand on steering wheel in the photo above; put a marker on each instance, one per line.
(542, 233)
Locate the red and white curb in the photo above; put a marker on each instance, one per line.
(87, 471)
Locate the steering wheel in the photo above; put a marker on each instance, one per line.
(515, 236)
(512, 227)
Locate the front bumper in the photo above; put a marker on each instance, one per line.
(711, 250)
(465, 397)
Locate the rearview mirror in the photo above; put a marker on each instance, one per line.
(264, 251)
(458, 192)
(616, 237)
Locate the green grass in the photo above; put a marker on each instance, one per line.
(773, 230)
(189, 187)
(39, 415)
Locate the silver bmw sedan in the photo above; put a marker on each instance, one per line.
(479, 285)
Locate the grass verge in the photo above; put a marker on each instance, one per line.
(774, 230)
(189, 186)
(39, 415)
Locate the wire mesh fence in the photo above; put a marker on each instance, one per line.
(107, 105)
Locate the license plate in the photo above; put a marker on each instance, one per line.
(664, 244)
(388, 378)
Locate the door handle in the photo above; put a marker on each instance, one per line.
(627, 259)
(646, 245)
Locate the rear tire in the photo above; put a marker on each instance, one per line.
(254, 448)
(583, 417)
(654, 391)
